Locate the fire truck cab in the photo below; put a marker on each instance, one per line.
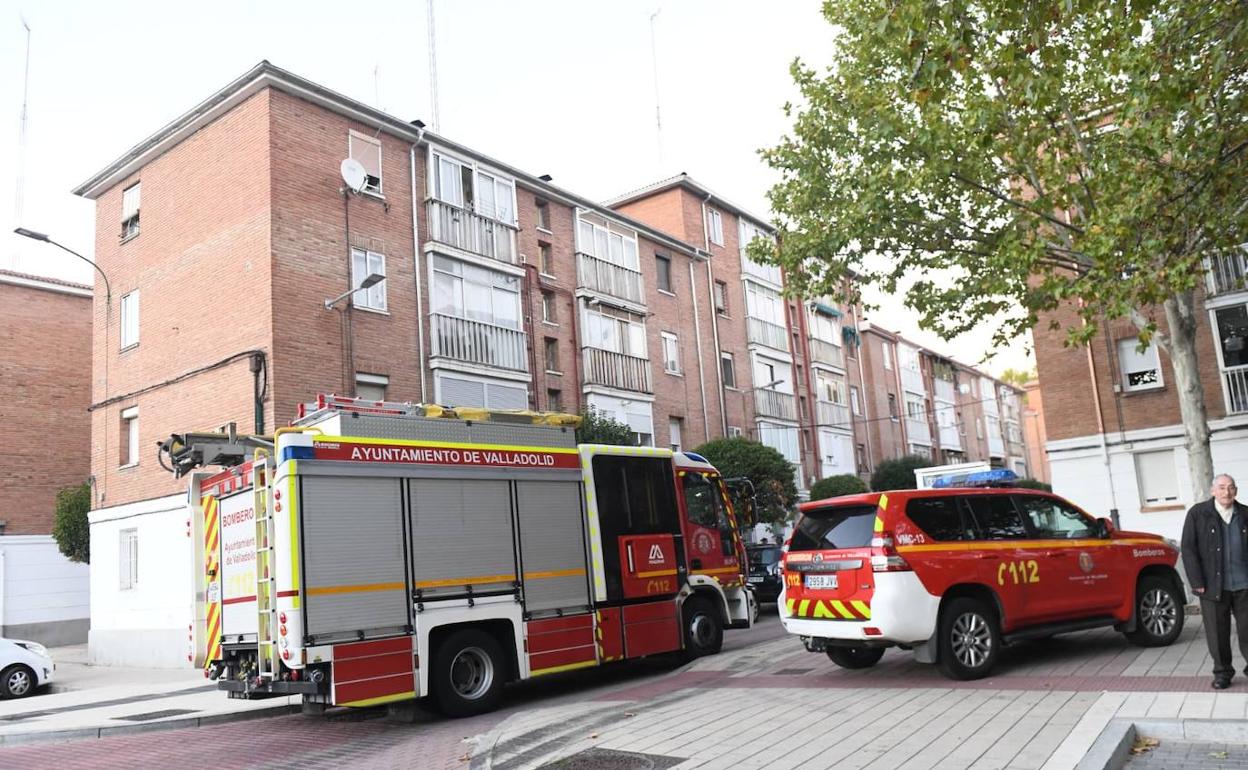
(382, 552)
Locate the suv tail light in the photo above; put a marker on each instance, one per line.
(884, 557)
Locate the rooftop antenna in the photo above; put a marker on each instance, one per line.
(377, 87)
(21, 146)
(654, 63)
(433, 66)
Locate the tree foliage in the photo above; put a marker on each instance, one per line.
(898, 473)
(70, 529)
(835, 486)
(1018, 377)
(1034, 484)
(998, 161)
(771, 474)
(598, 427)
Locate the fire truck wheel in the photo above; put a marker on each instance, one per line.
(855, 657)
(704, 633)
(1158, 613)
(467, 675)
(970, 640)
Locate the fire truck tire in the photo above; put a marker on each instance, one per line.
(970, 639)
(467, 674)
(1158, 613)
(704, 631)
(855, 657)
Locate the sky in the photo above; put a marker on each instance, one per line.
(553, 87)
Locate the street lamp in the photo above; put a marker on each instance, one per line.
(37, 236)
(372, 280)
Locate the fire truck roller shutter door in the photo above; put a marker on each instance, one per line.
(552, 546)
(353, 556)
(461, 535)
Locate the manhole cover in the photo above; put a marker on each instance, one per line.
(793, 671)
(608, 759)
(157, 715)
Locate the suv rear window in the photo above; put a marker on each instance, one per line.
(847, 526)
(766, 556)
(939, 518)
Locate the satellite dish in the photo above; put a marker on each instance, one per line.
(964, 388)
(353, 174)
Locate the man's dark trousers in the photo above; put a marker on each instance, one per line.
(1217, 620)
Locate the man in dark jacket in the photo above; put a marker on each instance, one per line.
(1215, 555)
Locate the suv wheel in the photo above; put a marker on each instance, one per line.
(1158, 613)
(855, 657)
(969, 640)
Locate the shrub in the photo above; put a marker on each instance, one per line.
(898, 473)
(835, 486)
(70, 529)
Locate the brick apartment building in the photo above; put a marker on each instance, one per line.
(1111, 413)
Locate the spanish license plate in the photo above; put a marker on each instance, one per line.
(756, 578)
(821, 581)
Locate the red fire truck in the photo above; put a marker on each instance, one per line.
(380, 552)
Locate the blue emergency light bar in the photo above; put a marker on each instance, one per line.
(1000, 477)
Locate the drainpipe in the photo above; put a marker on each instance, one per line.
(421, 360)
(817, 465)
(710, 287)
(697, 335)
(1100, 427)
(862, 384)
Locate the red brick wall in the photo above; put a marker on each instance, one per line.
(561, 281)
(45, 375)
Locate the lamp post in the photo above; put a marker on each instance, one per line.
(37, 236)
(372, 280)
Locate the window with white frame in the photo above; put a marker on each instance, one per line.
(617, 335)
(549, 311)
(130, 211)
(673, 430)
(735, 432)
(721, 298)
(764, 304)
(1158, 478)
(915, 409)
(748, 232)
(671, 352)
(128, 450)
(716, 226)
(825, 328)
(543, 214)
(371, 387)
(363, 264)
(663, 272)
(830, 388)
(728, 370)
(888, 354)
(128, 558)
(855, 400)
(130, 319)
(467, 291)
(459, 183)
(607, 241)
(1141, 370)
(367, 151)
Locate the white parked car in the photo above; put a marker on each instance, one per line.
(24, 666)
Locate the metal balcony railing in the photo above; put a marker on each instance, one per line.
(1227, 272)
(918, 430)
(1235, 379)
(912, 380)
(826, 353)
(996, 447)
(943, 389)
(773, 403)
(767, 333)
(609, 278)
(478, 342)
(950, 438)
(617, 370)
(471, 232)
(833, 415)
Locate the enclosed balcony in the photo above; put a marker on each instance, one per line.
(766, 333)
(826, 353)
(609, 278)
(616, 370)
(477, 342)
(468, 231)
(1227, 272)
(832, 415)
(918, 431)
(773, 403)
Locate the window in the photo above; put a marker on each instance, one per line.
(128, 559)
(979, 429)
(716, 226)
(619, 335)
(671, 352)
(939, 517)
(843, 526)
(673, 431)
(729, 372)
(721, 298)
(130, 319)
(831, 388)
(549, 307)
(1051, 519)
(367, 150)
(461, 391)
(543, 214)
(995, 516)
(552, 354)
(459, 184)
(607, 241)
(855, 400)
(554, 400)
(130, 211)
(734, 432)
(888, 355)
(1140, 371)
(663, 269)
(468, 291)
(129, 448)
(860, 451)
(892, 406)
(1159, 482)
(915, 409)
(545, 263)
(635, 496)
(371, 387)
(1232, 331)
(363, 264)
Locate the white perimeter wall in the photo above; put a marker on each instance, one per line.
(43, 595)
(146, 625)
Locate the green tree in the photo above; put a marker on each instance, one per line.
(898, 473)
(771, 474)
(70, 529)
(1066, 163)
(835, 486)
(1034, 484)
(598, 427)
(1018, 377)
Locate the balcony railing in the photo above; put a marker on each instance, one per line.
(918, 430)
(767, 333)
(609, 278)
(912, 380)
(943, 389)
(617, 370)
(773, 403)
(770, 273)
(1236, 381)
(478, 342)
(1228, 272)
(826, 353)
(471, 232)
(950, 438)
(832, 414)
(996, 447)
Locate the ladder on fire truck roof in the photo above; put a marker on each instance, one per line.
(328, 404)
(269, 658)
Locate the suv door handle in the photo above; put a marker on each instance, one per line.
(1056, 553)
(986, 556)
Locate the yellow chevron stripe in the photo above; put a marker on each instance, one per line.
(802, 608)
(822, 611)
(840, 608)
(863, 608)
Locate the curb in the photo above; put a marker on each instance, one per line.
(1111, 748)
(51, 736)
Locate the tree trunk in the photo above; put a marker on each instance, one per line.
(1181, 316)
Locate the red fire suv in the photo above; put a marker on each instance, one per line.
(956, 573)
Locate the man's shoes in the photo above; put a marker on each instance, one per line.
(1221, 682)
